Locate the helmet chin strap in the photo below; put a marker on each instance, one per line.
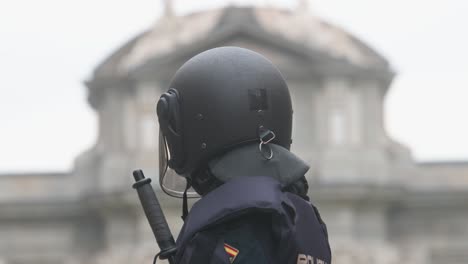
(185, 200)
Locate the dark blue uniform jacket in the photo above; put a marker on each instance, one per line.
(251, 220)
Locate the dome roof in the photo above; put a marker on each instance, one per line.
(297, 28)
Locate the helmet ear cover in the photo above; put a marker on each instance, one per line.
(168, 111)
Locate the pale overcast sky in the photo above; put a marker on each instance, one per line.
(49, 47)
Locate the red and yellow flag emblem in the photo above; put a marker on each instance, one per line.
(231, 251)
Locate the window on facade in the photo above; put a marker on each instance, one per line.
(344, 118)
(337, 127)
(149, 133)
(355, 109)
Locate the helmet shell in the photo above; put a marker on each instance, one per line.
(225, 96)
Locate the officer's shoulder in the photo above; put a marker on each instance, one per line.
(250, 237)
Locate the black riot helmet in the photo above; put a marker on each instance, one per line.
(218, 100)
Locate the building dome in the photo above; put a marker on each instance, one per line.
(302, 32)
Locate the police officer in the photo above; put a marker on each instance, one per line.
(225, 133)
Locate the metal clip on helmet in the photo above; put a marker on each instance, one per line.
(218, 100)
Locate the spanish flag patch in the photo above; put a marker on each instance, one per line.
(231, 251)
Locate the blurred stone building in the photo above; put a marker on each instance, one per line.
(380, 206)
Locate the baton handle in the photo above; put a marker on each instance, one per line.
(155, 216)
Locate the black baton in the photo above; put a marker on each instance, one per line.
(155, 216)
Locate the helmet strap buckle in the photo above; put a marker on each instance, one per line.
(266, 136)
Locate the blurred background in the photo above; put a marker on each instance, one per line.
(379, 91)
